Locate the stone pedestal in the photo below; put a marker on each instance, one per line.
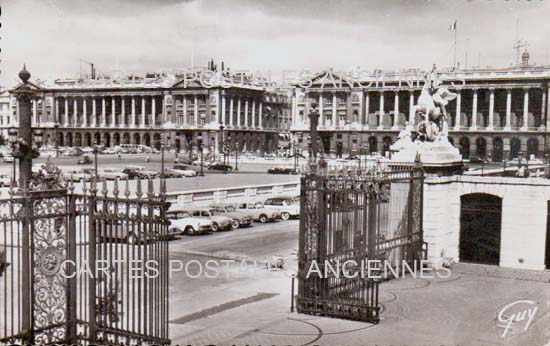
(438, 158)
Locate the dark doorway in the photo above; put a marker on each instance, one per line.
(547, 253)
(338, 149)
(532, 147)
(515, 147)
(387, 143)
(373, 145)
(480, 223)
(481, 145)
(498, 147)
(465, 147)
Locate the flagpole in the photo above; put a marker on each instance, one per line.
(454, 59)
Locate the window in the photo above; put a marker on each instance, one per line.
(196, 213)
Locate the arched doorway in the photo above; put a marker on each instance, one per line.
(498, 147)
(156, 140)
(78, 139)
(387, 143)
(107, 140)
(480, 223)
(137, 138)
(116, 138)
(88, 139)
(97, 138)
(373, 145)
(69, 139)
(532, 147)
(126, 138)
(481, 147)
(465, 147)
(60, 140)
(147, 139)
(515, 147)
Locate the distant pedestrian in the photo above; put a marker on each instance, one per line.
(119, 157)
(147, 158)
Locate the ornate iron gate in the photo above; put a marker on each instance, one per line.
(83, 267)
(349, 218)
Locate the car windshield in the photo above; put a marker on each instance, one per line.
(229, 208)
(213, 211)
(177, 215)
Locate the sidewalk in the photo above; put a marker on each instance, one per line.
(460, 310)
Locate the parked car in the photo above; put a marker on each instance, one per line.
(110, 151)
(5, 180)
(8, 158)
(477, 159)
(187, 167)
(84, 160)
(178, 173)
(112, 174)
(113, 230)
(289, 206)
(73, 152)
(281, 170)
(138, 171)
(219, 166)
(219, 220)
(259, 212)
(79, 175)
(238, 218)
(182, 222)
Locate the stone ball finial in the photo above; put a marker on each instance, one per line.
(24, 75)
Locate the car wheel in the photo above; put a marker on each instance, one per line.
(189, 230)
(132, 239)
(263, 218)
(285, 215)
(235, 224)
(215, 227)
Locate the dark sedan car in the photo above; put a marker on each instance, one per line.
(219, 166)
(281, 170)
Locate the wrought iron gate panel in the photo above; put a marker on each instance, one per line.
(352, 218)
(114, 287)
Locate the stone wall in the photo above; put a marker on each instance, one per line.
(524, 213)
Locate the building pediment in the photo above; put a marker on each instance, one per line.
(32, 86)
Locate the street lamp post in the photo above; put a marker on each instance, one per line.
(222, 145)
(236, 156)
(96, 149)
(199, 144)
(314, 120)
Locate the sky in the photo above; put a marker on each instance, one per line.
(54, 37)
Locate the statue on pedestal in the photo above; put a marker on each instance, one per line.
(431, 107)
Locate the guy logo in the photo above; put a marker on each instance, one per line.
(517, 316)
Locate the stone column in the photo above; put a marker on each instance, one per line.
(239, 112)
(123, 111)
(84, 113)
(133, 120)
(103, 111)
(395, 110)
(113, 110)
(411, 107)
(231, 114)
(153, 110)
(56, 114)
(334, 112)
(222, 119)
(142, 110)
(381, 117)
(253, 113)
(246, 113)
(94, 113)
(66, 111)
(196, 111)
(525, 109)
(474, 111)
(75, 113)
(321, 118)
(260, 115)
(184, 122)
(491, 108)
(34, 112)
(508, 109)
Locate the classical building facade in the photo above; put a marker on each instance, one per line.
(179, 109)
(498, 114)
